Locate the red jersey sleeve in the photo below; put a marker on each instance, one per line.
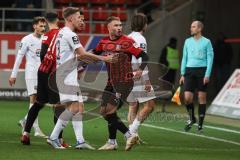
(132, 48)
(98, 50)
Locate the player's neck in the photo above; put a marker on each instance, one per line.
(52, 26)
(69, 26)
(35, 34)
(197, 36)
(113, 37)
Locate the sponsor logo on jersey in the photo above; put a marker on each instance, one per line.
(75, 40)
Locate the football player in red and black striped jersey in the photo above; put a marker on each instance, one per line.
(120, 79)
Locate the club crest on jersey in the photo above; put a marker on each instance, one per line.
(75, 39)
(143, 46)
(118, 47)
(20, 45)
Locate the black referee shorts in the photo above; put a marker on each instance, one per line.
(193, 79)
(116, 94)
(45, 94)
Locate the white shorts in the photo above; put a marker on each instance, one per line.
(68, 87)
(139, 94)
(31, 86)
(64, 98)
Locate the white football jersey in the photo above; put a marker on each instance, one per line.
(140, 42)
(29, 47)
(66, 43)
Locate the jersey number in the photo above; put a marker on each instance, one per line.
(58, 50)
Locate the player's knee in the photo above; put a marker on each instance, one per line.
(188, 100)
(74, 107)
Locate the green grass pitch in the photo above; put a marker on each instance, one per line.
(163, 133)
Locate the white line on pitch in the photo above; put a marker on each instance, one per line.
(192, 134)
(191, 148)
(221, 129)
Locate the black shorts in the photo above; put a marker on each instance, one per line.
(193, 79)
(116, 94)
(45, 93)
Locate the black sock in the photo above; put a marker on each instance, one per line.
(122, 127)
(116, 123)
(112, 129)
(32, 115)
(57, 112)
(190, 109)
(201, 113)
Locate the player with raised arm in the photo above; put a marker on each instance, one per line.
(69, 50)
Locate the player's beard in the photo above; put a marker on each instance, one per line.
(193, 34)
(118, 33)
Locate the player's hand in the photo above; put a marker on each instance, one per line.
(11, 81)
(181, 81)
(148, 86)
(205, 80)
(138, 74)
(110, 58)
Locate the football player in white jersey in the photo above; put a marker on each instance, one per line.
(68, 50)
(30, 47)
(142, 91)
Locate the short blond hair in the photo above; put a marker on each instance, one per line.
(70, 11)
(112, 18)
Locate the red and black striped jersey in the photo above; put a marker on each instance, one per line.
(124, 47)
(48, 63)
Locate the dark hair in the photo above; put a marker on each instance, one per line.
(173, 40)
(51, 16)
(138, 22)
(112, 18)
(38, 19)
(70, 11)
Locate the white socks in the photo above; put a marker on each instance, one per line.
(62, 122)
(112, 141)
(133, 128)
(127, 134)
(78, 127)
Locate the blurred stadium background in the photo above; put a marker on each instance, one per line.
(167, 18)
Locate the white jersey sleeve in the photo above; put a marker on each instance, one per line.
(23, 47)
(74, 42)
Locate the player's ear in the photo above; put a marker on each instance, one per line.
(108, 26)
(34, 26)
